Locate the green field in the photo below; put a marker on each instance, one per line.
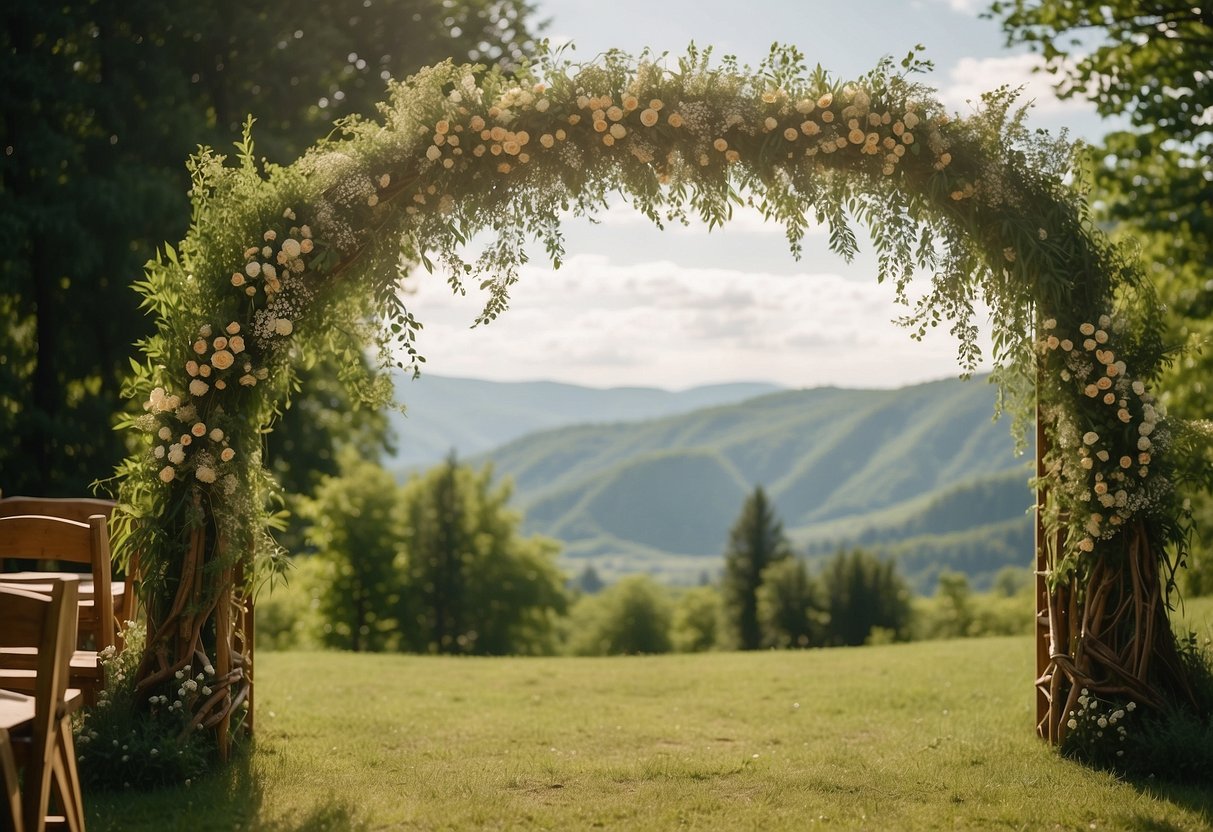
(930, 735)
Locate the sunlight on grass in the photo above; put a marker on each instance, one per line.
(919, 736)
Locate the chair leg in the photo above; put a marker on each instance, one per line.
(67, 778)
(10, 817)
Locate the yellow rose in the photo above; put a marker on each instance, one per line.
(648, 117)
(222, 360)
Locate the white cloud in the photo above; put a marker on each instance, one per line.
(971, 77)
(657, 323)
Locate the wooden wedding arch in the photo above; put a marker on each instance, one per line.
(280, 261)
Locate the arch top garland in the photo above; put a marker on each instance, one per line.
(281, 262)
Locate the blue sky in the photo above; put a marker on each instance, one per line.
(635, 306)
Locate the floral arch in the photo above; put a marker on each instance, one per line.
(282, 260)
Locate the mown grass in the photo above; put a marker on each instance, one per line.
(932, 735)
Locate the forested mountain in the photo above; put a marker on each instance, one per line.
(923, 473)
(472, 416)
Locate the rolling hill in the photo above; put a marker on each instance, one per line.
(473, 416)
(921, 473)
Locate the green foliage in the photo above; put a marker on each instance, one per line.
(696, 621)
(289, 613)
(102, 105)
(954, 614)
(124, 743)
(790, 611)
(756, 541)
(630, 617)
(356, 523)
(864, 594)
(472, 584)
(1149, 61)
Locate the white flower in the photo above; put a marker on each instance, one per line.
(176, 453)
(198, 387)
(1139, 388)
(283, 326)
(216, 435)
(1050, 323)
(252, 269)
(158, 452)
(1072, 724)
(1144, 443)
(291, 248)
(165, 434)
(205, 473)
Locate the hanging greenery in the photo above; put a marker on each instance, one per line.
(281, 263)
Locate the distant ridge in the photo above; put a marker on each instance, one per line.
(472, 415)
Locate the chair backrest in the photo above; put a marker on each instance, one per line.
(78, 509)
(69, 508)
(47, 623)
(40, 538)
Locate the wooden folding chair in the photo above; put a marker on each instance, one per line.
(81, 509)
(40, 538)
(38, 728)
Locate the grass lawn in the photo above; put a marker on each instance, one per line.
(931, 735)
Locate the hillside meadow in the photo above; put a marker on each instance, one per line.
(929, 735)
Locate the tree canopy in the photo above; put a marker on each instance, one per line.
(102, 105)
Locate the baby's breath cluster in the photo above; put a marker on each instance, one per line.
(1097, 729)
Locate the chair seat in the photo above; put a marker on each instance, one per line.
(17, 709)
(20, 662)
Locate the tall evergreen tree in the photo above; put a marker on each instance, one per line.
(863, 593)
(473, 585)
(789, 611)
(755, 542)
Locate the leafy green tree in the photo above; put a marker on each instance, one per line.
(472, 584)
(1011, 581)
(864, 593)
(696, 621)
(954, 613)
(629, 617)
(1148, 60)
(789, 610)
(356, 523)
(755, 542)
(102, 104)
